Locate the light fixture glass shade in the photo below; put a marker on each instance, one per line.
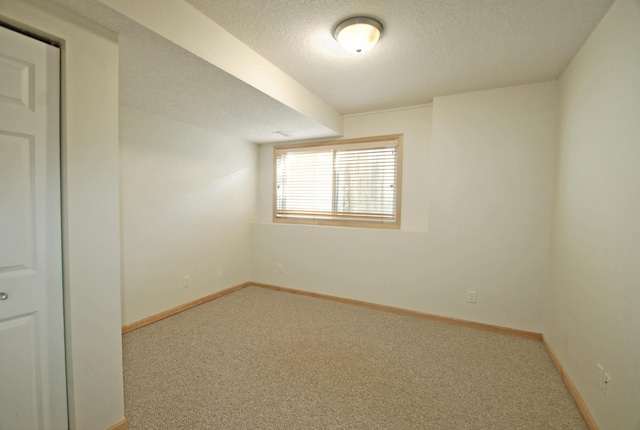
(358, 34)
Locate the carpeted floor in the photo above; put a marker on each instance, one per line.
(260, 359)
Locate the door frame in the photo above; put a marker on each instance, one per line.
(57, 44)
(91, 247)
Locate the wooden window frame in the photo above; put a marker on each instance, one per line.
(345, 222)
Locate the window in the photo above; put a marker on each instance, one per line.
(353, 182)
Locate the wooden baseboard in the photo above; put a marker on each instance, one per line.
(120, 425)
(406, 312)
(588, 418)
(400, 311)
(157, 317)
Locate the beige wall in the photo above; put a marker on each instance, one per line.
(91, 248)
(592, 308)
(477, 193)
(188, 197)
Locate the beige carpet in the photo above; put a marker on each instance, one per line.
(260, 359)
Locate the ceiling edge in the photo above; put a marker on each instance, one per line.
(398, 109)
(184, 25)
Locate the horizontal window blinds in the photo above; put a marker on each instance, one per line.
(339, 182)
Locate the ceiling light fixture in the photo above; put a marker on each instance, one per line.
(358, 34)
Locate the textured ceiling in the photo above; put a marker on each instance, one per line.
(428, 48)
(179, 85)
(159, 77)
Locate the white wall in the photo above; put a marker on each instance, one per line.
(592, 308)
(481, 164)
(91, 246)
(188, 197)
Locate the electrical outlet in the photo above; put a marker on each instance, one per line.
(279, 267)
(606, 383)
(471, 297)
(219, 271)
(186, 281)
(599, 375)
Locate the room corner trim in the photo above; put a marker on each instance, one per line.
(120, 425)
(588, 418)
(407, 312)
(165, 314)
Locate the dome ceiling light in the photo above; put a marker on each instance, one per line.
(358, 34)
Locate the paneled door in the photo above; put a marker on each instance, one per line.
(32, 361)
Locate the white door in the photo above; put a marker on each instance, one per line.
(32, 363)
